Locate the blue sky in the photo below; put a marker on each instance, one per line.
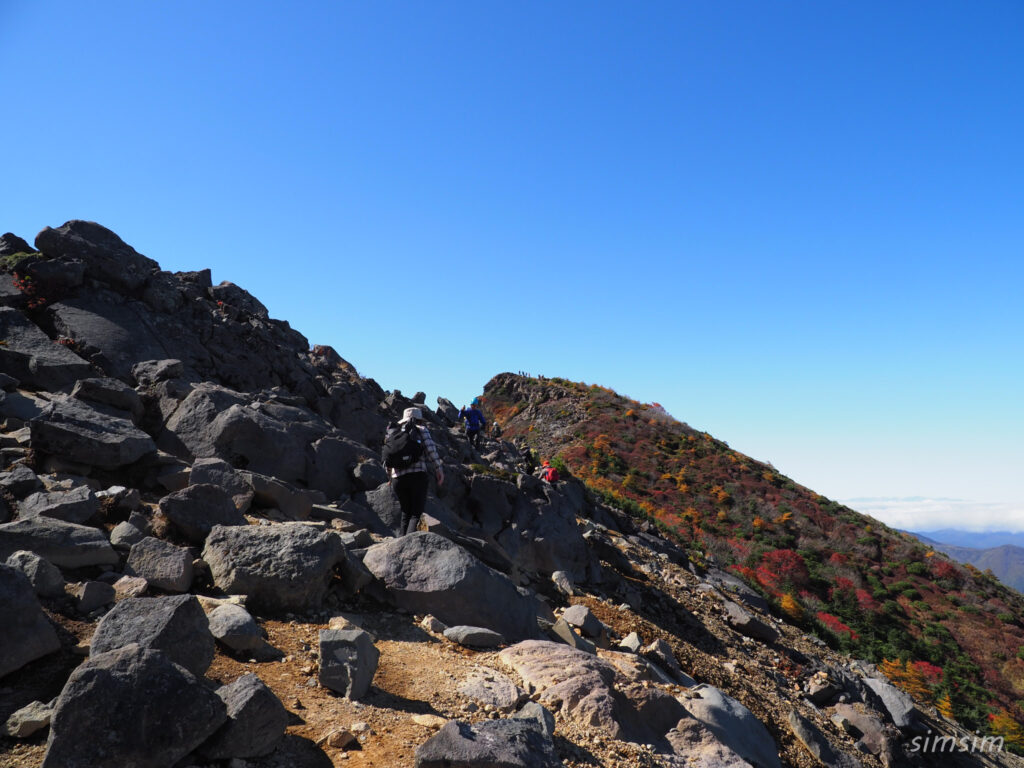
(795, 225)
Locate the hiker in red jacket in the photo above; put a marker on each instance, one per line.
(548, 473)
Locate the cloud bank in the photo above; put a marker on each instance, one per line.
(918, 513)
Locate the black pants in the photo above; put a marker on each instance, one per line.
(474, 437)
(411, 491)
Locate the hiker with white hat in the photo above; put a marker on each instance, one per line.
(408, 447)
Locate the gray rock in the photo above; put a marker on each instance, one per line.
(426, 573)
(531, 710)
(131, 708)
(91, 434)
(384, 505)
(486, 687)
(235, 627)
(90, 595)
(734, 725)
(565, 632)
(369, 475)
(898, 704)
(256, 721)
(631, 643)
(348, 661)
(152, 371)
(221, 474)
(27, 635)
(130, 586)
(31, 356)
(814, 741)
(10, 244)
(332, 464)
(29, 719)
(660, 653)
(474, 637)
(229, 293)
(160, 563)
(563, 583)
(581, 617)
(45, 577)
(66, 545)
(284, 567)
(747, 624)
(175, 625)
(112, 392)
(515, 743)
(869, 731)
(699, 747)
(294, 503)
(195, 510)
(19, 481)
(124, 499)
(74, 506)
(124, 535)
(107, 257)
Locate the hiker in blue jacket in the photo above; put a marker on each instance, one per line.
(475, 421)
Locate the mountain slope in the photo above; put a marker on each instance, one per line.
(869, 589)
(1006, 561)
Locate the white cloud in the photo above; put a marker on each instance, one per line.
(919, 513)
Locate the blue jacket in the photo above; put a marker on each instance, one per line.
(475, 420)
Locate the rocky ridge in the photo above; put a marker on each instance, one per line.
(198, 569)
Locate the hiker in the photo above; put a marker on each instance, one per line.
(529, 462)
(475, 421)
(407, 448)
(495, 430)
(548, 473)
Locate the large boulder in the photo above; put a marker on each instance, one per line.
(426, 573)
(30, 355)
(66, 545)
(221, 474)
(898, 704)
(107, 257)
(175, 625)
(256, 721)
(734, 725)
(27, 635)
(196, 509)
(89, 433)
(284, 567)
(513, 743)
(132, 708)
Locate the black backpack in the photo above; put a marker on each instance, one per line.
(403, 445)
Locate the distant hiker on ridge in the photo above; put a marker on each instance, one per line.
(548, 473)
(475, 421)
(495, 430)
(405, 445)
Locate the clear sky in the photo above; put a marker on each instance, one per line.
(796, 225)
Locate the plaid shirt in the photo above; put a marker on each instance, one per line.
(429, 450)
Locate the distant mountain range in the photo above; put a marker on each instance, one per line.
(1001, 552)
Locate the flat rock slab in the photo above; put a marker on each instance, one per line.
(66, 545)
(131, 708)
(283, 567)
(474, 637)
(490, 744)
(592, 691)
(90, 434)
(196, 509)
